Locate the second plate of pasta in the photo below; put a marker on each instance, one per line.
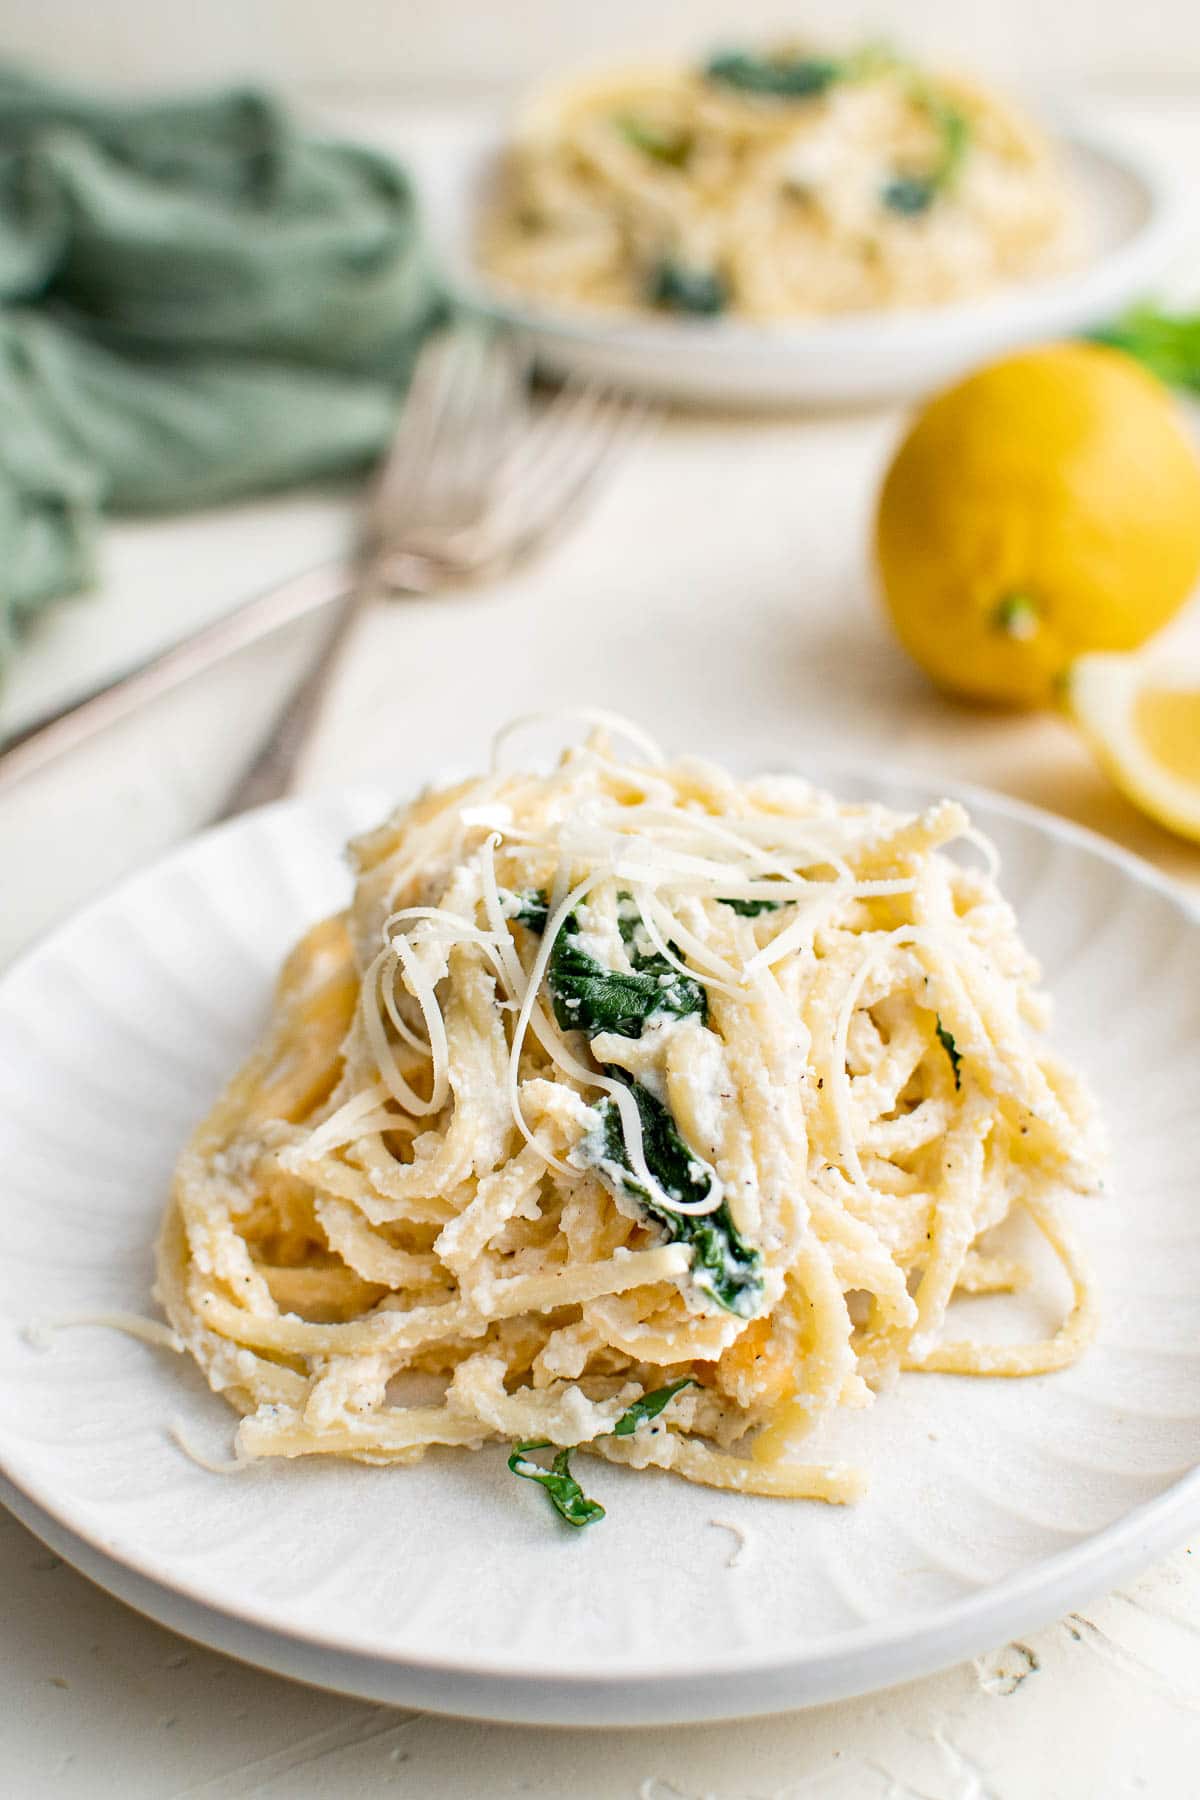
(1098, 231)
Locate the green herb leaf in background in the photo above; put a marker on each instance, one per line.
(909, 194)
(675, 288)
(664, 144)
(1168, 344)
(780, 77)
(799, 77)
(649, 1407)
(912, 194)
(560, 1486)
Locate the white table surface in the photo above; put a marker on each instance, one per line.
(719, 592)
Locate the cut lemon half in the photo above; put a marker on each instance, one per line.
(1143, 721)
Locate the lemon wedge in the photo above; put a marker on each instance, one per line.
(1143, 721)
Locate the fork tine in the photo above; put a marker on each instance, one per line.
(414, 426)
(566, 413)
(544, 500)
(498, 404)
(551, 508)
(597, 420)
(446, 368)
(478, 481)
(444, 453)
(458, 476)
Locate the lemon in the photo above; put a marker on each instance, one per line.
(1144, 725)
(1045, 507)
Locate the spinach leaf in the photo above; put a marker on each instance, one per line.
(781, 77)
(750, 909)
(664, 144)
(560, 1486)
(591, 998)
(946, 1040)
(909, 193)
(562, 1490)
(531, 909)
(588, 997)
(913, 194)
(676, 288)
(1168, 344)
(956, 139)
(651, 961)
(649, 1407)
(724, 1266)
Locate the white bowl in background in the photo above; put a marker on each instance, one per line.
(1133, 214)
(993, 1507)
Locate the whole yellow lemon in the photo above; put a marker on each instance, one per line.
(1045, 507)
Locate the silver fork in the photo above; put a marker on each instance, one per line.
(474, 481)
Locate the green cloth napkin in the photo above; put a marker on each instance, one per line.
(196, 301)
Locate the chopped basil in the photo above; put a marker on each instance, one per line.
(781, 77)
(676, 288)
(649, 1407)
(561, 1488)
(665, 144)
(946, 1040)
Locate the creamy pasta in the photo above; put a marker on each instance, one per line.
(634, 1108)
(795, 183)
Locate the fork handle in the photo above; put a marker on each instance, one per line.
(57, 732)
(273, 771)
(276, 768)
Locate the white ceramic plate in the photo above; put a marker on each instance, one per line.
(994, 1506)
(1132, 213)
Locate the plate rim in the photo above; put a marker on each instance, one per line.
(507, 1697)
(872, 1655)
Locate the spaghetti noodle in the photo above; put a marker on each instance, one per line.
(628, 1107)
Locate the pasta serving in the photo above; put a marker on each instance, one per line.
(793, 183)
(633, 1108)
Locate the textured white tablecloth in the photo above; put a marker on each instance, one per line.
(719, 593)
